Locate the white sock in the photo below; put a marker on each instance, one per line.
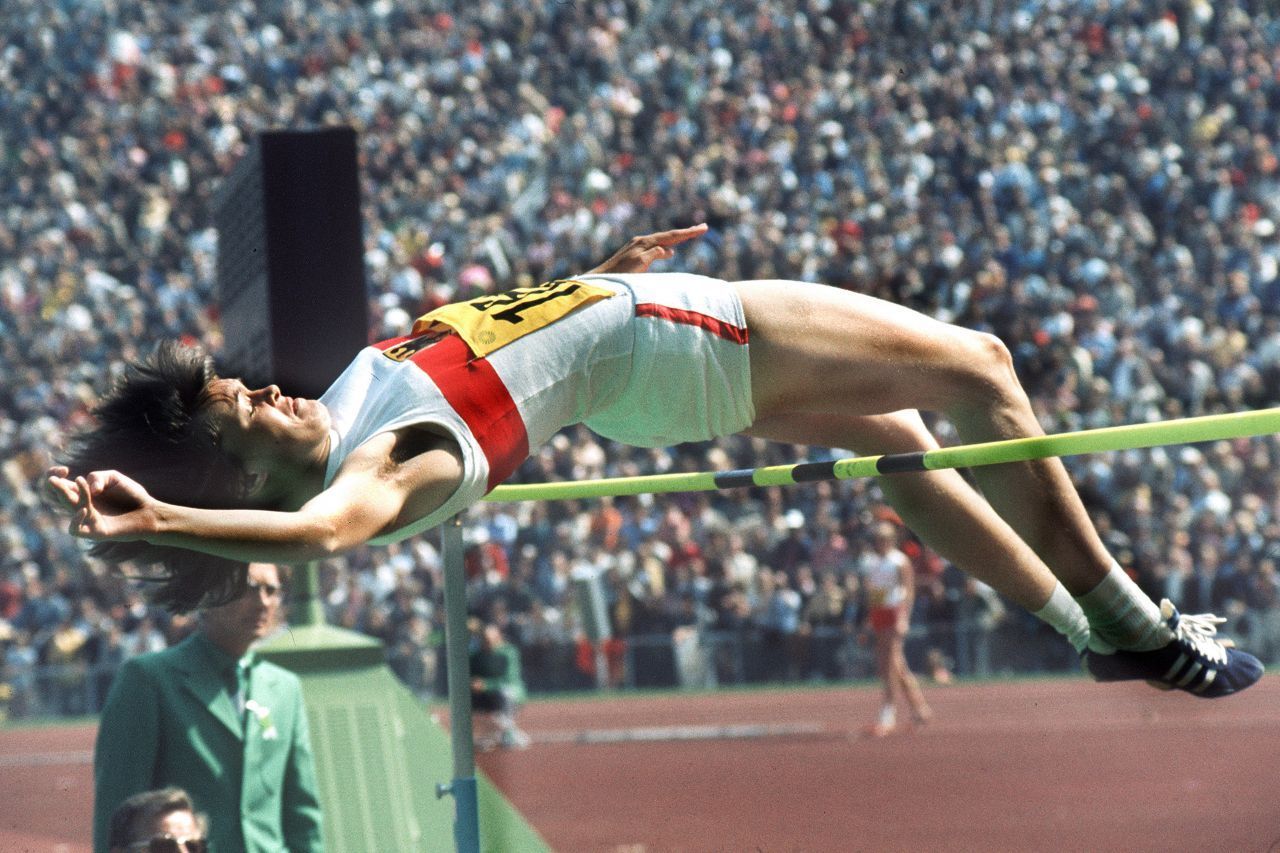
(1121, 615)
(1064, 614)
(888, 715)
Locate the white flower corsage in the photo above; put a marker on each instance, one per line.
(263, 715)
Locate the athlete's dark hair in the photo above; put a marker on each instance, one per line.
(152, 426)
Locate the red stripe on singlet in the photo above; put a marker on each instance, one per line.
(714, 325)
(475, 391)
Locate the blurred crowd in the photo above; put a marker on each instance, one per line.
(1096, 181)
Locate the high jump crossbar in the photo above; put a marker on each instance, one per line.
(1125, 437)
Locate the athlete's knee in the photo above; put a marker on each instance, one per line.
(987, 363)
(992, 353)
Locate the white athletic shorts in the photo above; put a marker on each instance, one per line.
(688, 377)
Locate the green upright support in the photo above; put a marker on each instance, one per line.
(378, 750)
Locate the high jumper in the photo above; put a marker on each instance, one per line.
(191, 470)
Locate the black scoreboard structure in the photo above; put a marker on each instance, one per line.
(291, 283)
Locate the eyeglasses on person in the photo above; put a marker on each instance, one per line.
(270, 590)
(169, 844)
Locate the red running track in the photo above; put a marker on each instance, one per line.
(1037, 765)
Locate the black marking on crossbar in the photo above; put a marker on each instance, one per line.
(739, 479)
(811, 472)
(901, 463)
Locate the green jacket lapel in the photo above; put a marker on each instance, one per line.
(200, 678)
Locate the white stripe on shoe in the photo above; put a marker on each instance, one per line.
(1191, 674)
(1177, 666)
(1209, 676)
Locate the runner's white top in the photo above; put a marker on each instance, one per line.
(882, 577)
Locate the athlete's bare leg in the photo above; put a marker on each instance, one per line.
(818, 351)
(885, 669)
(939, 506)
(908, 684)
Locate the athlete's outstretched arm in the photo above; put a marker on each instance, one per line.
(360, 504)
(108, 506)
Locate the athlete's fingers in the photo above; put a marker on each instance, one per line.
(657, 246)
(85, 502)
(640, 252)
(100, 481)
(679, 235)
(61, 491)
(83, 509)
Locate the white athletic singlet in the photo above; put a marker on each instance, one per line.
(882, 578)
(649, 360)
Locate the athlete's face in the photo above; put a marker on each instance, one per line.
(266, 430)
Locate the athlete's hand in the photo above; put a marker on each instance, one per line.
(57, 490)
(640, 252)
(103, 505)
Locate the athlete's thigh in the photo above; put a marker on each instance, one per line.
(816, 348)
(893, 432)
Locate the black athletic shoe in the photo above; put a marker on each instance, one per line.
(1192, 661)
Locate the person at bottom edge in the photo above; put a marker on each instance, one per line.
(163, 821)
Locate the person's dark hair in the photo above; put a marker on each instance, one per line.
(132, 817)
(152, 426)
(283, 571)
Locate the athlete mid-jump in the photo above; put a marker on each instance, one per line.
(184, 463)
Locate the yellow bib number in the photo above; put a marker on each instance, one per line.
(489, 323)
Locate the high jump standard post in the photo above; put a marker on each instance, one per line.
(466, 821)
